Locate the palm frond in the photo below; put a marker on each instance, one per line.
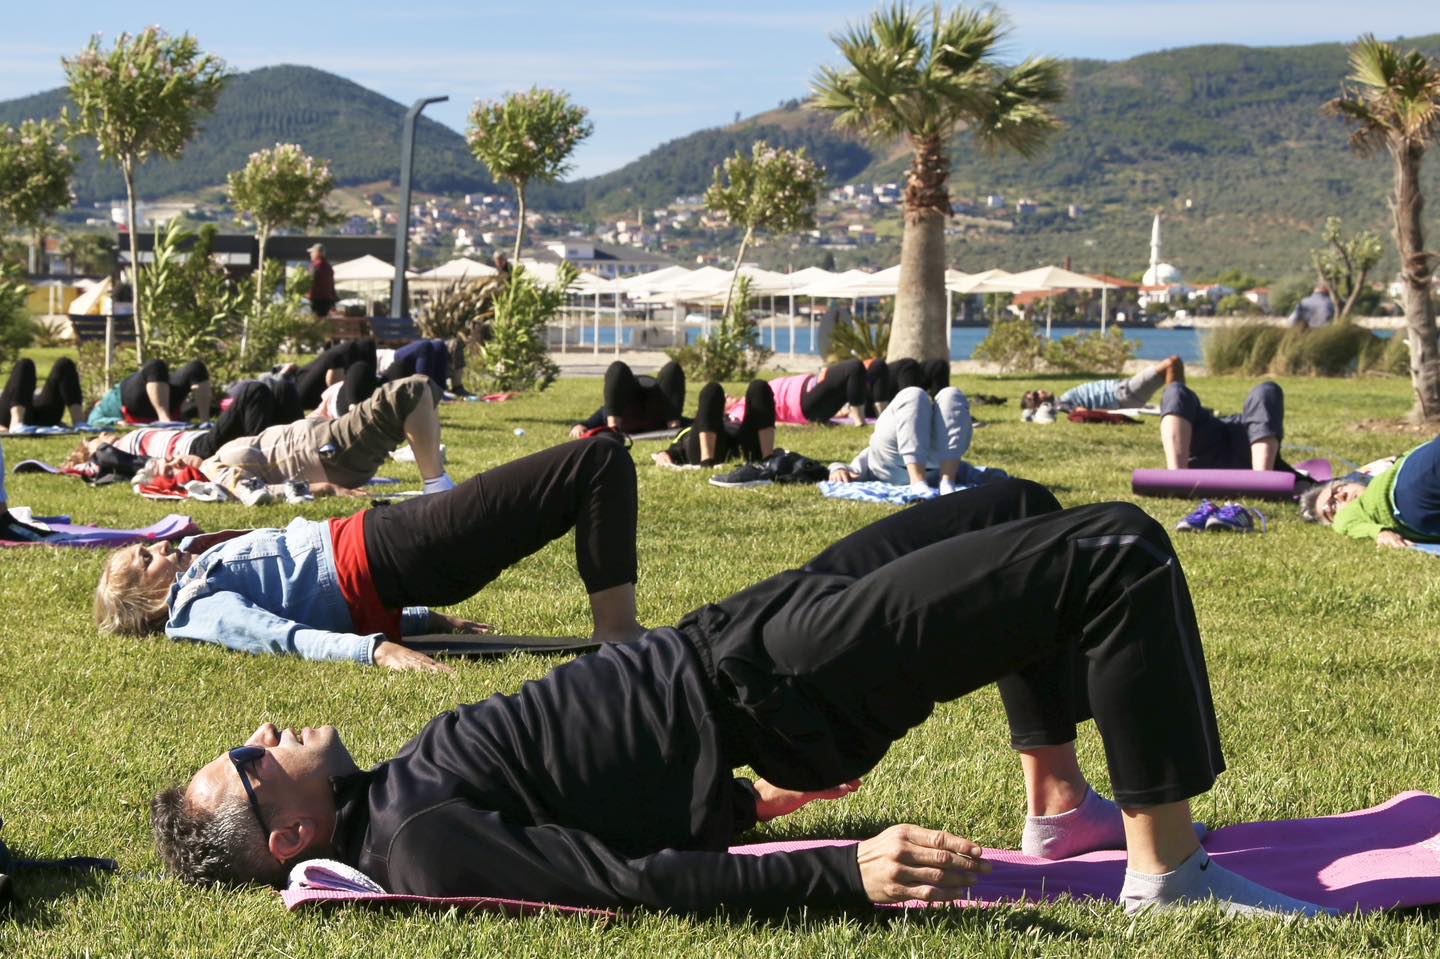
(1019, 117)
(1390, 98)
(904, 76)
(1373, 63)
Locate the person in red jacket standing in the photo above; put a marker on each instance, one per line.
(322, 283)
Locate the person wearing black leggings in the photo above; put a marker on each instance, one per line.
(610, 783)
(151, 393)
(639, 404)
(839, 385)
(714, 438)
(329, 367)
(25, 407)
(256, 592)
(890, 378)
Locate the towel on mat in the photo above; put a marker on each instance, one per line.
(1385, 857)
(875, 491)
(59, 531)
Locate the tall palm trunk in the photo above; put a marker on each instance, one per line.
(1415, 273)
(127, 167)
(918, 331)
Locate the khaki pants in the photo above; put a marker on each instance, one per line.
(365, 436)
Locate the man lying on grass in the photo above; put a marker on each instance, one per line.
(609, 783)
(351, 589)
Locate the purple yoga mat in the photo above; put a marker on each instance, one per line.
(1386, 857)
(173, 526)
(1271, 484)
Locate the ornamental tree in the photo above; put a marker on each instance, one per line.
(921, 74)
(35, 173)
(527, 137)
(772, 189)
(141, 98)
(1344, 263)
(280, 187)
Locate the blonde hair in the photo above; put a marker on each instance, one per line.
(123, 604)
(82, 453)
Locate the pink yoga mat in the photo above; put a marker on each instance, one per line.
(1387, 857)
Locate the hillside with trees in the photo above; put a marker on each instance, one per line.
(1228, 142)
(358, 130)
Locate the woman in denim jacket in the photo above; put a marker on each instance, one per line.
(352, 588)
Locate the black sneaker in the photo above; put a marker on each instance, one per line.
(747, 476)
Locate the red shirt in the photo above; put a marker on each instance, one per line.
(352, 565)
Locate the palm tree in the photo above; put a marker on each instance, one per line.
(1393, 100)
(923, 81)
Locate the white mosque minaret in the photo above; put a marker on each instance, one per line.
(1159, 274)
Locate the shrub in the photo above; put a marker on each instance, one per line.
(1334, 350)
(855, 339)
(1092, 352)
(1228, 349)
(1012, 345)
(460, 309)
(516, 357)
(732, 351)
(17, 329)
(1339, 349)
(197, 310)
(1395, 358)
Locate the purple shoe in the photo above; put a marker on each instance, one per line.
(1195, 522)
(1234, 518)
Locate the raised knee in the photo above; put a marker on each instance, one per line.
(1034, 498)
(1127, 518)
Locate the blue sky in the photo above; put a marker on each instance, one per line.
(648, 71)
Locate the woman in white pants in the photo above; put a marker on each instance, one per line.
(913, 437)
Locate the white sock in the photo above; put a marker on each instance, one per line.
(1094, 824)
(1200, 878)
(921, 488)
(439, 484)
(947, 486)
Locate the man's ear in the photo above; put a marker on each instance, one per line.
(290, 842)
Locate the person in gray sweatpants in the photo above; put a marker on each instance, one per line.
(914, 435)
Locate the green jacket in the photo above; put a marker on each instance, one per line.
(1374, 510)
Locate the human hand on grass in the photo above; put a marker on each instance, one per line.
(403, 659)
(775, 802)
(1392, 539)
(911, 862)
(441, 623)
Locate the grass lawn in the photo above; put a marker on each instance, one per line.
(1321, 653)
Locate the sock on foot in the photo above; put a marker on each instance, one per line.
(947, 486)
(439, 484)
(1200, 878)
(1094, 824)
(921, 488)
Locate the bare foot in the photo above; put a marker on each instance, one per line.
(1174, 370)
(662, 458)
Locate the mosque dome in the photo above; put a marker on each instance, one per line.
(1162, 274)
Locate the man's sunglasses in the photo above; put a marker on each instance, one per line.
(240, 757)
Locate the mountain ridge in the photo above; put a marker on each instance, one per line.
(1228, 140)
